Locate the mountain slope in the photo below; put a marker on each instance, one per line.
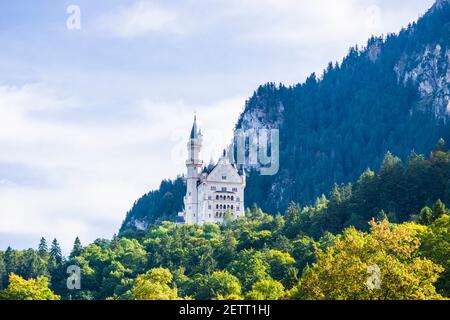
(161, 204)
(393, 95)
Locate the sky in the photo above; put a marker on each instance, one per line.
(97, 97)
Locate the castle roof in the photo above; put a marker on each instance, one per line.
(194, 131)
(224, 160)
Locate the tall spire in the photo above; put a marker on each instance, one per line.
(194, 131)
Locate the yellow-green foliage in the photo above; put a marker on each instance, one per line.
(154, 285)
(436, 246)
(32, 289)
(341, 272)
(266, 290)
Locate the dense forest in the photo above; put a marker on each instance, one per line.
(392, 95)
(159, 205)
(358, 210)
(402, 227)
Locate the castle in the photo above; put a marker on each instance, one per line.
(211, 192)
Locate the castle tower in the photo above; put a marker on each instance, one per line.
(214, 192)
(194, 165)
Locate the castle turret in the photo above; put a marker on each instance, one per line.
(194, 165)
(214, 192)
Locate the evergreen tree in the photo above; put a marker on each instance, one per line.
(43, 249)
(292, 217)
(3, 273)
(425, 216)
(55, 252)
(77, 248)
(439, 209)
(226, 251)
(207, 264)
(435, 246)
(11, 260)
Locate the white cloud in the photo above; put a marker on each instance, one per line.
(139, 19)
(305, 23)
(85, 177)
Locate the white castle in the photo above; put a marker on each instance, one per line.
(211, 192)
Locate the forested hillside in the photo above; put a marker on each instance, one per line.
(364, 185)
(392, 95)
(307, 253)
(397, 191)
(158, 205)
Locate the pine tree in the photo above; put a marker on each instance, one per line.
(2, 273)
(56, 268)
(55, 253)
(425, 216)
(207, 263)
(43, 249)
(77, 248)
(10, 258)
(114, 242)
(292, 218)
(393, 188)
(439, 209)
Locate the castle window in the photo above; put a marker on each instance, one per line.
(232, 198)
(234, 189)
(231, 207)
(209, 207)
(217, 206)
(224, 177)
(224, 189)
(228, 197)
(189, 193)
(221, 197)
(217, 197)
(209, 198)
(213, 188)
(238, 199)
(238, 208)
